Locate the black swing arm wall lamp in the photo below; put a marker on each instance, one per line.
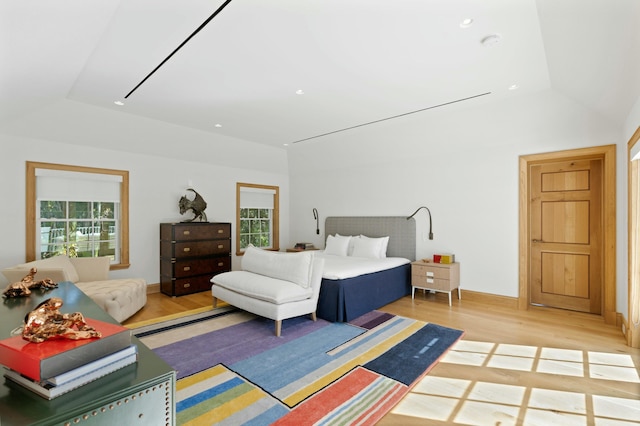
(430, 225)
(317, 218)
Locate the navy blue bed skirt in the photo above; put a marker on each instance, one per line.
(347, 299)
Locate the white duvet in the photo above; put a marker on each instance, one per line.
(341, 267)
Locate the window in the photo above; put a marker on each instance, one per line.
(257, 217)
(78, 228)
(77, 211)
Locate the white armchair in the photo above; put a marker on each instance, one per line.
(272, 285)
(120, 298)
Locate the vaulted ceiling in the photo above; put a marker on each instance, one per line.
(288, 71)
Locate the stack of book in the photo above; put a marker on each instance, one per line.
(444, 258)
(304, 246)
(57, 366)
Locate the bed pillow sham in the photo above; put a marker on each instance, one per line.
(373, 248)
(352, 241)
(337, 245)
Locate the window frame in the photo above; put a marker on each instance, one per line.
(275, 228)
(32, 206)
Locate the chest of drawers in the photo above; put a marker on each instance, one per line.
(439, 277)
(191, 253)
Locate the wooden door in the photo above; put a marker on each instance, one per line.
(566, 235)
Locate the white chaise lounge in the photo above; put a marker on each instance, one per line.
(120, 298)
(272, 285)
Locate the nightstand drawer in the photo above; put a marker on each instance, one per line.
(430, 271)
(431, 283)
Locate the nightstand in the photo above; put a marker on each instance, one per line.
(439, 277)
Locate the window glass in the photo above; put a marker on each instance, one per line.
(257, 216)
(63, 232)
(77, 211)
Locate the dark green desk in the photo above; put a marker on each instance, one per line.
(139, 394)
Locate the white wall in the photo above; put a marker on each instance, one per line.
(462, 164)
(71, 122)
(156, 184)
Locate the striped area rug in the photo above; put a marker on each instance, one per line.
(233, 370)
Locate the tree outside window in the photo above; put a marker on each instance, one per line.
(257, 217)
(77, 211)
(78, 229)
(255, 228)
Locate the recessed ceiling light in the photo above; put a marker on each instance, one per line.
(299, 92)
(466, 23)
(491, 39)
(218, 125)
(513, 87)
(119, 103)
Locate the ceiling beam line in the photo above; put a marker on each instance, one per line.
(392, 117)
(204, 24)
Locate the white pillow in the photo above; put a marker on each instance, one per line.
(337, 245)
(384, 242)
(293, 267)
(367, 247)
(56, 262)
(352, 242)
(373, 248)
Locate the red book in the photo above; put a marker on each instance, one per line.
(40, 361)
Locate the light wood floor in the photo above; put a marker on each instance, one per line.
(514, 352)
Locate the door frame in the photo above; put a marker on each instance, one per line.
(608, 155)
(632, 328)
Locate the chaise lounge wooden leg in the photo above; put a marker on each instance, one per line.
(278, 327)
(215, 302)
(313, 316)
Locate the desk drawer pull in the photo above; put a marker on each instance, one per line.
(220, 263)
(186, 268)
(187, 285)
(220, 246)
(186, 249)
(186, 233)
(220, 231)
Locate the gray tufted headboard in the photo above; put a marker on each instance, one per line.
(401, 232)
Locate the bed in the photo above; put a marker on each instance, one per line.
(343, 297)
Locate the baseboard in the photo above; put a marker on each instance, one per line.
(153, 288)
(490, 299)
(512, 302)
(621, 322)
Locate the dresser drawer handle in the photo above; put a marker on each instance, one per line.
(220, 231)
(430, 280)
(220, 263)
(187, 285)
(220, 246)
(186, 233)
(429, 274)
(186, 268)
(186, 249)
